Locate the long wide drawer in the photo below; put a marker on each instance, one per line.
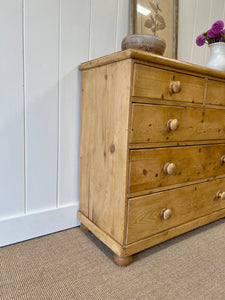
(150, 123)
(152, 168)
(158, 212)
(155, 83)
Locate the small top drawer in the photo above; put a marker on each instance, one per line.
(150, 124)
(216, 92)
(157, 83)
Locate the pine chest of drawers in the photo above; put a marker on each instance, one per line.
(152, 151)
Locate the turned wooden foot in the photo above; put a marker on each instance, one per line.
(83, 228)
(122, 261)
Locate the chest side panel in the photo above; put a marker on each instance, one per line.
(103, 151)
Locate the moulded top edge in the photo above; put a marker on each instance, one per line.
(152, 58)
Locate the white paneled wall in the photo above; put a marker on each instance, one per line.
(195, 17)
(42, 44)
(11, 110)
(74, 49)
(103, 27)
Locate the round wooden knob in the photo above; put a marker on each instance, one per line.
(223, 159)
(166, 213)
(169, 168)
(175, 87)
(220, 195)
(172, 124)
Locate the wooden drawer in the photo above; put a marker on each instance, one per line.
(186, 204)
(154, 83)
(149, 124)
(216, 92)
(191, 163)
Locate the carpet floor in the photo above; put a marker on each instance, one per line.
(75, 265)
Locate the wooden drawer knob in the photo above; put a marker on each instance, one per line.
(166, 213)
(223, 159)
(175, 87)
(169, 168)
(220, 195)
(172, 124)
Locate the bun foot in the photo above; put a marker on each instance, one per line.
(83, 228)
(122, 261)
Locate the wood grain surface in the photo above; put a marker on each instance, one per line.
(191, 162)
(154, 83)
(103, 152)
(186, 203)
(152, 138)
(149, 124)
(216, 92)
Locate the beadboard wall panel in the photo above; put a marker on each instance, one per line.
(198, 53)
(186, 28)
(42, 44)
(123, 25)
(195, 17)
(103, 27)
(41, 90)
(11, 112)
(74, 49)
(40, 111)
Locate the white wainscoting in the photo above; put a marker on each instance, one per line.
(11, 110)
(42, 44)
(20, 228)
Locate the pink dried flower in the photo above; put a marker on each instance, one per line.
(222, 32)
(217, 27)
(200, 40)
(213, 35)
(219, 39)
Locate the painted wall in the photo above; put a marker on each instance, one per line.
(195, 17)
(42, 44)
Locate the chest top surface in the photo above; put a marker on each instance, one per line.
(147, 57)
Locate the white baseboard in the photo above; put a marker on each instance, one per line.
(33, 225)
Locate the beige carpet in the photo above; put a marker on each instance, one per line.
(74, 265)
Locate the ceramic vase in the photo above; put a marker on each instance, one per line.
(145, 42)
(217, 56)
